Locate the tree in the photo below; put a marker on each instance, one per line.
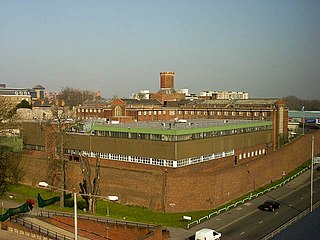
(73, 97)
(55, 129)
(88, 187)
(10, 159)
(23, 104)
(295, 103)
(6, 113)
(10, 168)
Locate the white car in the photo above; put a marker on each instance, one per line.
(207, 234)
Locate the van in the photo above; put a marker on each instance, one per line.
(207, 234)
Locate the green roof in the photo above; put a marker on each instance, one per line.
(127, 129)
(304, 114)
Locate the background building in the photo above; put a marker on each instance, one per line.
(167, 104)
(223, 95)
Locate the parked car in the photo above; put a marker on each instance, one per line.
(269, 205)
(207, 234)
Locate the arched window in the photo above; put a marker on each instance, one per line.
(117, 111)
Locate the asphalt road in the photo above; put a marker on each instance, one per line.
(259, 223)
(246, 221)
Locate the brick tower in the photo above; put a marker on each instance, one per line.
(166, 80)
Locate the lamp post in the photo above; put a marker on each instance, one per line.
(45, 185)
(302, 120)
(110, 198)
(311, 174)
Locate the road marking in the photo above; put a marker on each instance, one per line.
(241, 233)
(248, 214)
(218, 219)
(247, 204)
(260, 222)
(239, 208)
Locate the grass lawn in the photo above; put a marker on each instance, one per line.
(21, 193)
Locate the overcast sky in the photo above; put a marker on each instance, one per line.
(268, 48)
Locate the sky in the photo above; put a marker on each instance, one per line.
(268, 48)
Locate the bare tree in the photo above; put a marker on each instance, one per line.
(73, 97)
(88, 187)
(7, 109)
(56, 128)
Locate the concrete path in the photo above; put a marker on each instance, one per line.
(52, 227)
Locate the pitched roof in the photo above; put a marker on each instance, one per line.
(38, 87)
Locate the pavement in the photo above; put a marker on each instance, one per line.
(217, 222)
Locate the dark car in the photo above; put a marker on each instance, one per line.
(269, 205)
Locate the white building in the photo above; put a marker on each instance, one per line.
(224, 95)
(142, 94)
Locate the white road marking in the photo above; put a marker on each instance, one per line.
(260, 222)
(241, 233)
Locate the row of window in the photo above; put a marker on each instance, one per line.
(155, 161)
(34, 147)
(174, 112)
(21, 93)
(184, 137)
(203, 112)
(252, 154)
(90, 110)
(152, 161)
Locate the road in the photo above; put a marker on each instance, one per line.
(259, 223)
(247, 222)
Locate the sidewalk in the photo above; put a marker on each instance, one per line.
(243, 210)
(52, 227)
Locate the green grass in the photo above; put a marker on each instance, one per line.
(14, 142)
(21, 193)
(123, 212)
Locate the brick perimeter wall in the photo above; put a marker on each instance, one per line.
(211, 184)
(196, 187)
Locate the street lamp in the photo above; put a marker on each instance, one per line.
(302, 120)
(45, 185)
(311, 174)
(110, 198)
